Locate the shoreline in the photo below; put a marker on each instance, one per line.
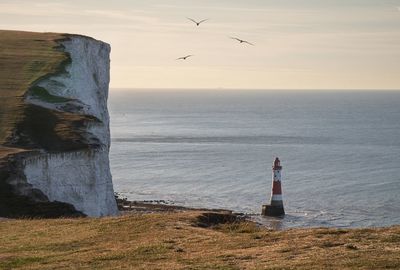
(151, 206)
(126, 206)
(141, 207)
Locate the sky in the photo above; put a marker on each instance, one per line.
(299, 44)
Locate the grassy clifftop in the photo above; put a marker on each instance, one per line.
(179, 240)
(25, 57)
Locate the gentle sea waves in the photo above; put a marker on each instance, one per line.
(340, 152)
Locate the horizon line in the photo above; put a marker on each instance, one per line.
(254, 89)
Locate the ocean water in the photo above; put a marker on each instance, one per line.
(340, 152)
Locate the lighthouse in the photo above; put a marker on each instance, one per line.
(276, 206)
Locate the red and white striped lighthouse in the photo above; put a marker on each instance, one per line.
(276, 206)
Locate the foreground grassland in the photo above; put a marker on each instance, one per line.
(175, 241)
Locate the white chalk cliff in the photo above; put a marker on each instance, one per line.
(79, 177)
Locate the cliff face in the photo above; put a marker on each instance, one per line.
(55, 132)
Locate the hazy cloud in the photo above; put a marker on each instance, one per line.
(65, 10)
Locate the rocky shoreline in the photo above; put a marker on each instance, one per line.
(151, 206)
(207, 217)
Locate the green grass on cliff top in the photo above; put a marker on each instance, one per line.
(171, 241)
(24, 58)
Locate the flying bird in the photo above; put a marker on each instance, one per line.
(242, 41)
(197, 23)
(184, 57)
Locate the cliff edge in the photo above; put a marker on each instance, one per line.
(54, 126)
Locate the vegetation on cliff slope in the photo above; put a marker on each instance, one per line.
(24, 58)
(179, 241)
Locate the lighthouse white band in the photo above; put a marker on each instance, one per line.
(276, 197)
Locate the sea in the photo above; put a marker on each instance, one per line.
(340, 152)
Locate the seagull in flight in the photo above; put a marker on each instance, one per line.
(184, 57)
(197, 23)
(242, 41)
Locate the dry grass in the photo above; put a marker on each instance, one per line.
(171, 241)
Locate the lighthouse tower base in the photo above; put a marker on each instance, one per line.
(272, 210)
